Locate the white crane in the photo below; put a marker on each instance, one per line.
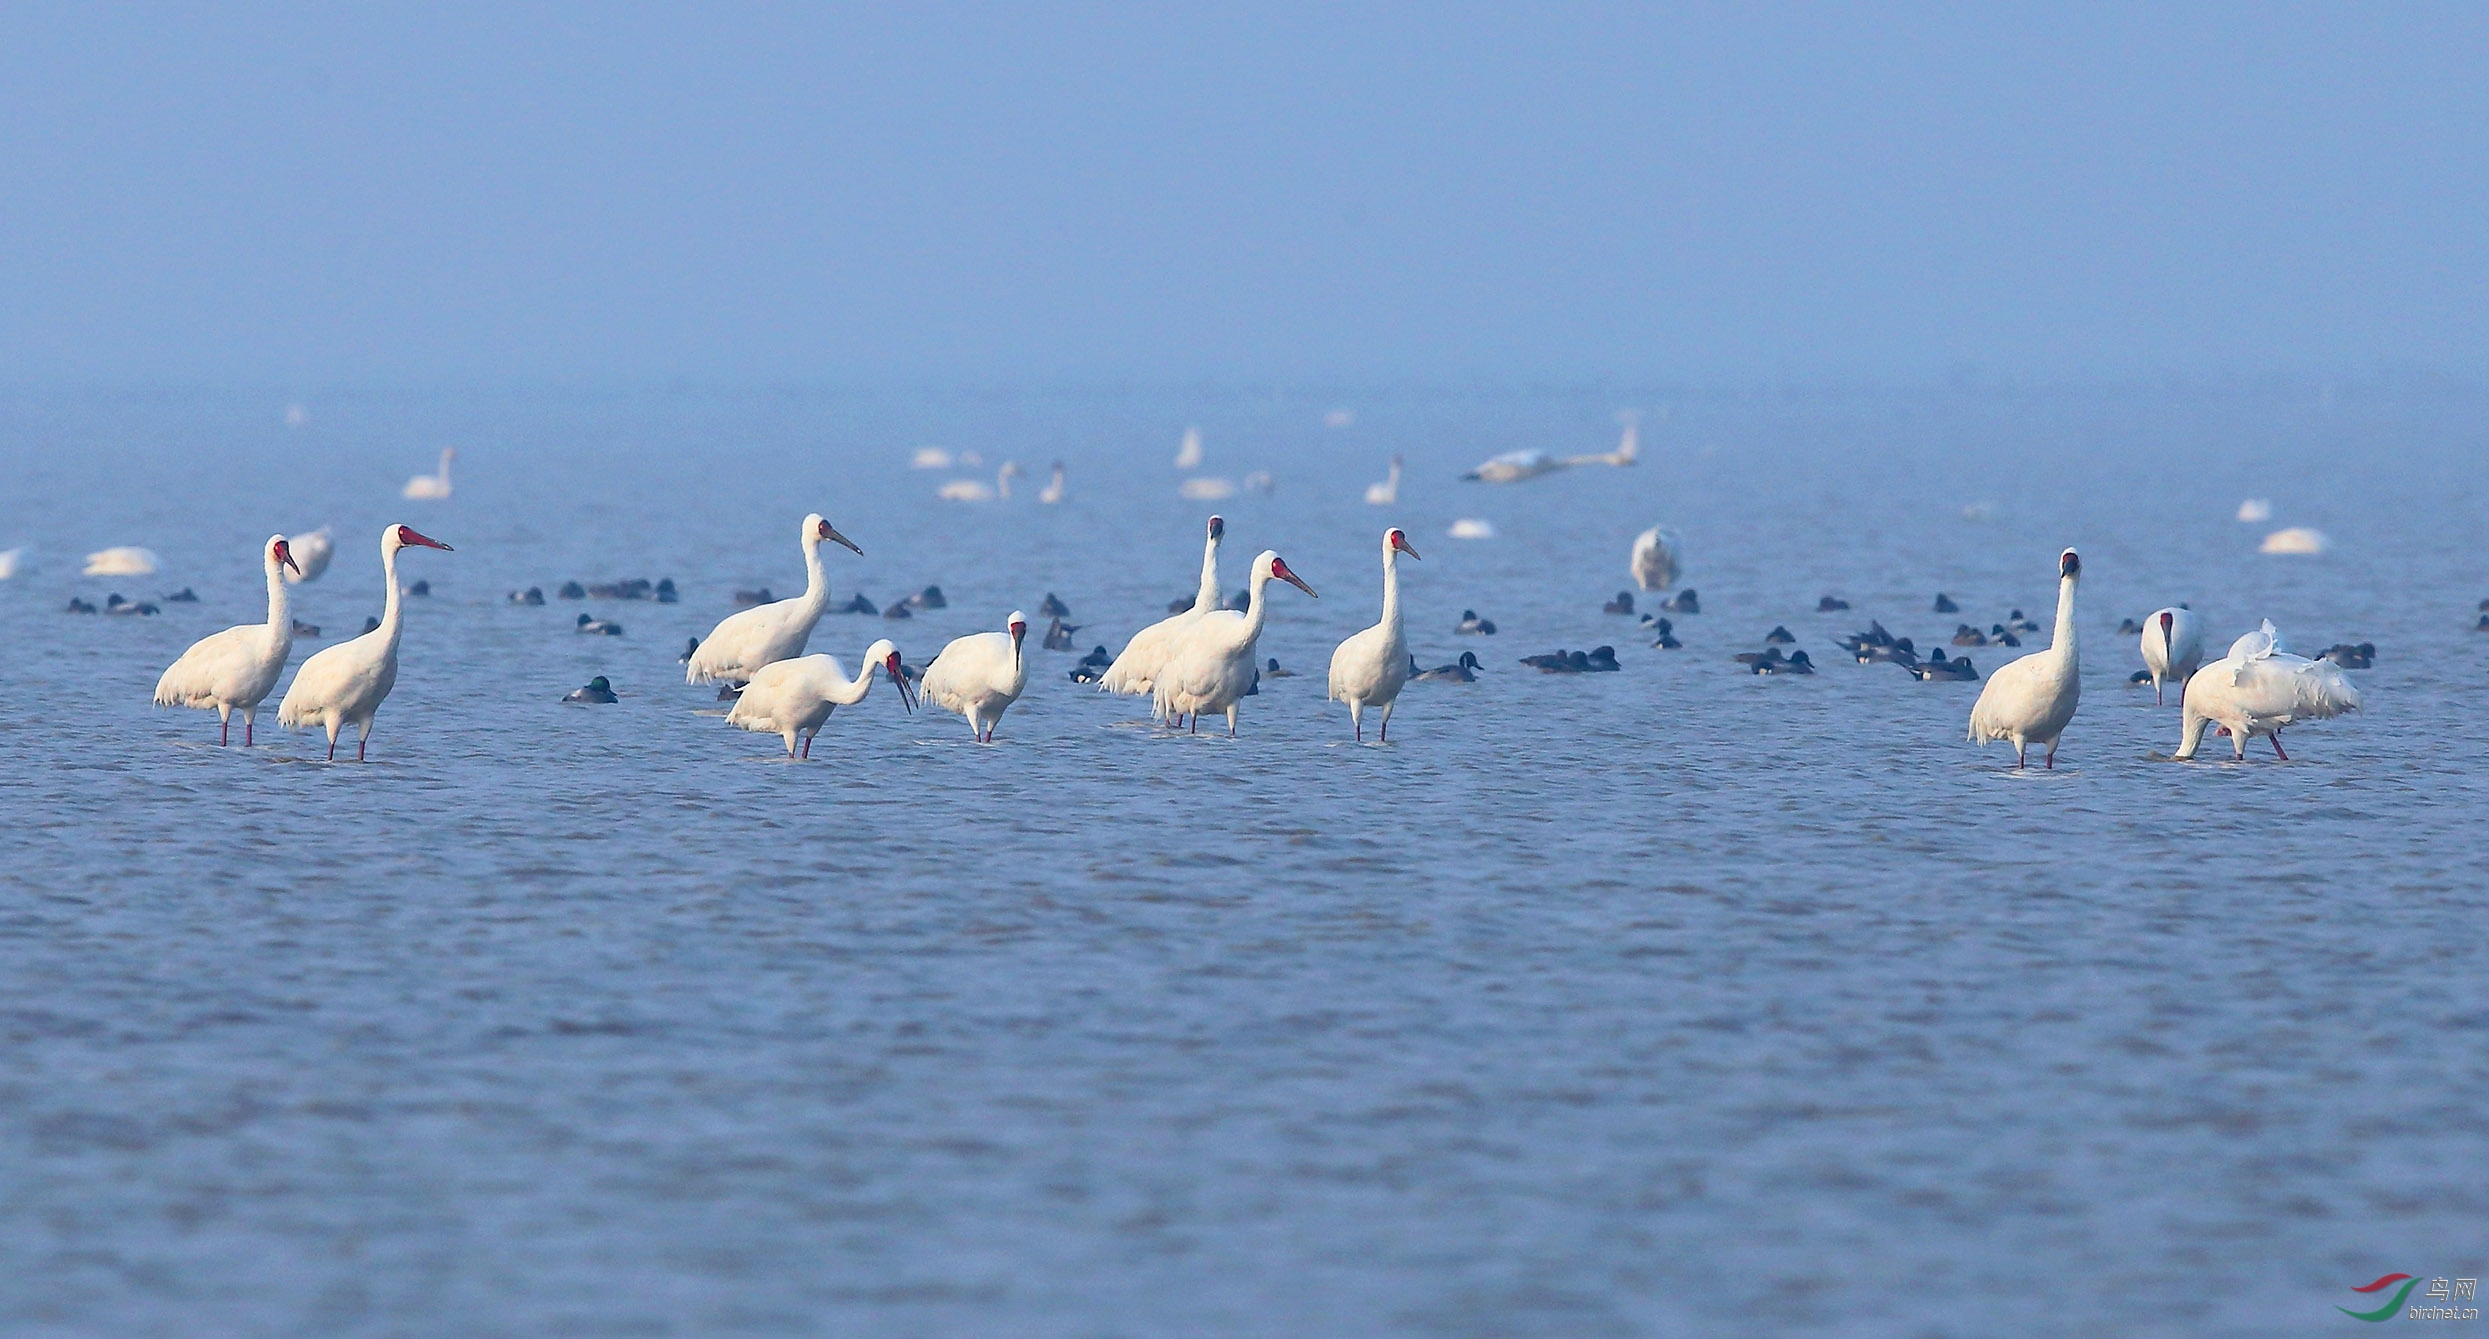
(980, 675)
(311, 554)
(121, 560)
(1370, 668)
(1654, 560)
(1514, 466)
(1213, 668)
(2173, 647)
(2256, 690)
(431, 487)
(235, 670)
(1136, 670)
(793, 697)
(345, 684)
(1386, 493)
(741, 643)
(1052, 493)
(2031, 700)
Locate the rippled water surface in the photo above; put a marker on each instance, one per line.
(1669, 1001)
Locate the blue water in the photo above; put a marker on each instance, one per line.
(1669, 1001)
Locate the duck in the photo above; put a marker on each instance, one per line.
(929, 598)
(598, 689)
(1945, 604)
(1463, 670)
(2361, 655)
(745, 598)
(1622, 604)
(1473, 626)
(1780, 636)
(1058, 634)
(183, 596)
(371, 623)
(2018, 621)
(1084, 672)
(114, 604)
(598, 627)
(666, 594)
(856, 604)
(2258, 689)
(2482, 625)
(2127, 627)
(2001, 636)
(1667, 638)
(78, 606)
(691, 647)
(1098, 656)
(2139, 678)
(419, 588)
(1685, 602)
(1966, 635)
(1797, 663)
(1601, 660)
(572, 590)
(1053, 607)
(900, 610)
(1750, 659)
(1938, 669)
(1271, 670)
(1831, 604)
(532, 595)
(302, 629)
(1551, 662)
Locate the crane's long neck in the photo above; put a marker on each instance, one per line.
(445, 466)
(390, 612)
(851, 693)
(1257, 606)
(2062, 641)
(280, 612)
(1391, 594)
(816, 577)
(1208, 597)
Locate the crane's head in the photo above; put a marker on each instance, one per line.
(1279, 569)
(1396, 538)
(817, 530)
(2069, 564)
(1019, 630)
(2168, 620)
(406, 537)
(1218, 527)
(884, 655)
(283, 553)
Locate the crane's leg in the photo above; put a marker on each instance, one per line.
(362, 741)
(1357, 719)
(2157, 700)
(2022, 758)
(2276, 737)
(2052, 755)
(1384, 734)
(1196, 727)
(224, 726)
(332, 741)
(1231, 722)
(808, 747)
(248, 718)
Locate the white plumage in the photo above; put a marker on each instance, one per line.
(1654, 560)
(742, 642)
(980, 675)
(2300, 539)
(1387, 492)
(1515, 466)
(794, 697)
(123, 560)
(9, 560)
(311, 554)
(236, 669)
(2173, 647)
(1213, 667)
(431, 487)
(1052, 493)
(1370, 668)
(1136, 670)
(1188, 455)
(2257, 689)
(345, 684)
(975, 490)
(2032, 700)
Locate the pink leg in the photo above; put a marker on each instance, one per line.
(2052, 758)
(332, 749)
(1196, 726)
(2276, 737)
(224, 733)
(1384, 734)
(246, 734)
(358, 747)
(807, 746)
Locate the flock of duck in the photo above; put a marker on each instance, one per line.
(1203, 658)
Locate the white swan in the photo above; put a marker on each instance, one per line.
(2257, 689)
(2296, 539)
(1136, 670)
(345, 684)
(2173, 648)
(2255, 509)
(1370, 668)
(980, 675)
(235, 670)
(1387, 492)
(976, 490)
(1188, 456)
(741, 643)
(1206, 489)
(2032, 700)
(1654, 561)
(9, 561)
(1052, 493)
(311, 554)
(432, 487)
(1214, 668)
(1515, 466)
(794, 697)
(125, 560)
(929, 458)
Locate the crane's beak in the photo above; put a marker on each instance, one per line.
(1401, 542)
(1280, 570)
(1019, 634)
(426, 541)
(830, 533)
(898, 679)
(285, 555)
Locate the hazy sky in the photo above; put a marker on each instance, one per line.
(600, 193)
